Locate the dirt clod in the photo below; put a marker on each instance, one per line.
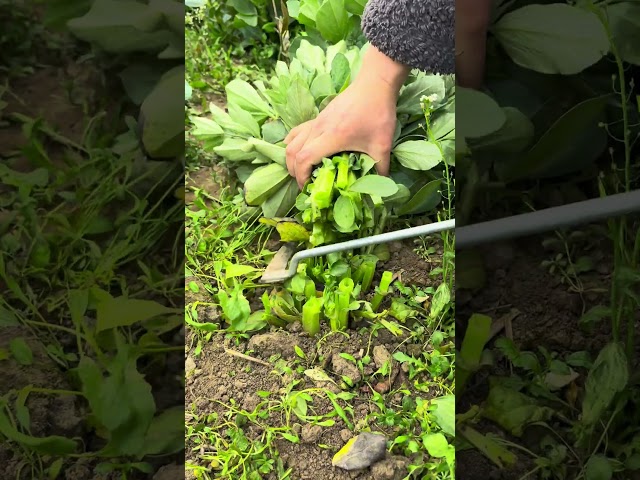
(392, 468)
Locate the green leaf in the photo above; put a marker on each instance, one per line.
(624, 20)
(340, 72)
(311, 56)
(552, 39)
(572, 143)
(7, 318)
(205, 128)
(243, 95)
(344, 213)
(332, 20)
(409, 99)
(440, 301)
(478, 115)
(281, 202)
(225, 121)
(515, 135)
(165, 435)
(235, 307)
(445, 413)
(609, 375)
(273, 152)
(120, 26)
(375, 185)
(21, 351)
(425, 199)
(124, 312)
(301, 106)
(235, 150)
(53, 445)
(475, 338)
(244, 118)
(513, 410)
(355, 7)
(274, 131)
(436, 445)
(264, 182)
(418, 154)
(598, 467)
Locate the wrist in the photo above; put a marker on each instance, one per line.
(376, 65)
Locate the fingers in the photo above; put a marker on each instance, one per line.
(382, 158)
(313, 152)
(295, 141)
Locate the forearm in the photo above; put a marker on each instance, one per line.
(377, 65)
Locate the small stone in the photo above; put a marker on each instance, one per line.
(345, 368)
(392, 468)
(361, 452)
(311, 433)
(269, 344)
(395, 247)
(381, 356)
(189, 365)
(345, 435)
(169, 472)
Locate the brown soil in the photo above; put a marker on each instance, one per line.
(216, 379)
(548, 317)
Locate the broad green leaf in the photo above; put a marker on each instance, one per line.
(244, 7)
(344, 213)
(311, 56)
(161, 116)
(572, 143)
(21, 351)
(410, 95)
(235, 307)
(244, 118)
(598, 467)
(513, 410)
(609, 375)
(355, 7)
(301, 106)
(445, 413)
(292, 232)
(478, 115)
(242, 94)
(274, 131)
(332, 20)
(308, 12)
(332, 51)
(443, 125)
(232, 270)
(264, 182)
(515, 135)
(552, 39)
(375, 185)
(436, 445)
(120, 26)
(235, 150)
(165, 435)
(205, 129)
(425, 199)
(475, 338)
(7, 318)
(340, 72)
(322, 86)
(224, 120)
(282, 201)
(275, 153)
(418, 154)
(124, 312)
(440, 301)
(624, 19)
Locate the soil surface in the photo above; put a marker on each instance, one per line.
(218, 378)
(544, 312)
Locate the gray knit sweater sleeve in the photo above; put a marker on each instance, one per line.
(417, 33)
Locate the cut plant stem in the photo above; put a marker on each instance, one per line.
(311, 315)
(382, 291)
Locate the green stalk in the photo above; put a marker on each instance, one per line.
(322, 190)
(382, 290)
(365, 271)
(342, 181)
(311, 315)
(340, 320)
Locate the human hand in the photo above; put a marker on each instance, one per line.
(360, 119)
